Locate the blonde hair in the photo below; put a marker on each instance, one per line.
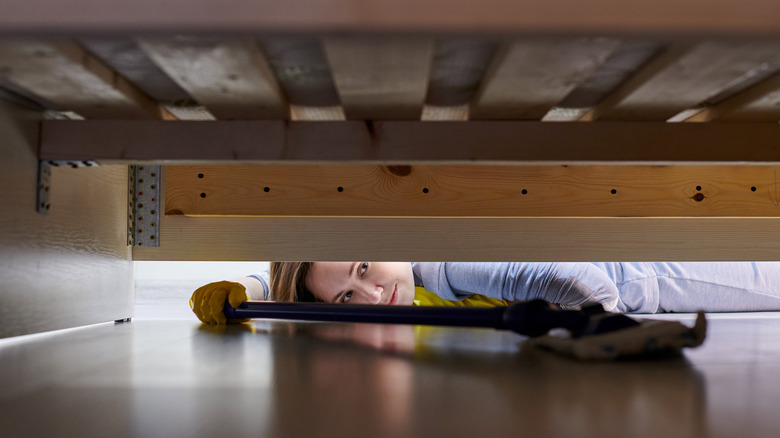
(288, 282)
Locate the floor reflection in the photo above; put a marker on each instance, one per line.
(390, 380)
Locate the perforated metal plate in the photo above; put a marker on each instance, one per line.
(42, 203)
(144, 206)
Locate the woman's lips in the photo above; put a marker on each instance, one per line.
(394, 297)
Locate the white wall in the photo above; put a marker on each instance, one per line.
(163, 289)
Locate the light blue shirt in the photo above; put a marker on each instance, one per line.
(623, 287)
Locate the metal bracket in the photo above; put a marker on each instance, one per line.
(42, 203)
(143, 219)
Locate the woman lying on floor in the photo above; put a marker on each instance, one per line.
(620, 287)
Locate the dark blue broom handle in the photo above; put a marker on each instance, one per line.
(427, 315)
(530, 318)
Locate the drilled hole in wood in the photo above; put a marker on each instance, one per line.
(698, 188)
(340, 189)
(425, 190)
(525, 192)
(266, 189)
(200, 175)
(753, 189)
(202, 195)
(613, 191)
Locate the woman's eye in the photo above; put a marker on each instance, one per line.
(347, 296)
(363, 268)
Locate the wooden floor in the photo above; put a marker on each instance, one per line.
(176, 378)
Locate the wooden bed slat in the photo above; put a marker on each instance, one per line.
(407, 142)
(465, 239)
(301, 67)
(380, 78)
(627, 58)
(759, 103)
(681, 78)
(531, 76)
(230, 78)
(64, 73)
(458, 67)
(662, 60)
(472, 191)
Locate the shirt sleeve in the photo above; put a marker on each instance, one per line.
(568, 284)
(264, 279)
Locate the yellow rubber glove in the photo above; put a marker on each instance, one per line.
(208, 301)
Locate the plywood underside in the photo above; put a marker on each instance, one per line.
(175, 377)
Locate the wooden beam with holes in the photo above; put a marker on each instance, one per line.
(408, 142)
(465, 239)
(63, 73)
(472, 191)
(230, 77)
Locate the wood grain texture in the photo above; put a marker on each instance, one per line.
(465, 239)
(380, 78)
(406, 142)
(71, 266)
(472, 191)
(531, 76)
(65, 74)
(125, 56)
(301, 68)
(658, 62)
(230, 77)
(683, 77)
(624, 61)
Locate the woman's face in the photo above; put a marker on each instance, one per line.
(389, 283)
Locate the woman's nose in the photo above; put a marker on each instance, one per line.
(373, 294)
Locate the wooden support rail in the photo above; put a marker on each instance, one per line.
(465, 239)
(409, 142)
(472, 191)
